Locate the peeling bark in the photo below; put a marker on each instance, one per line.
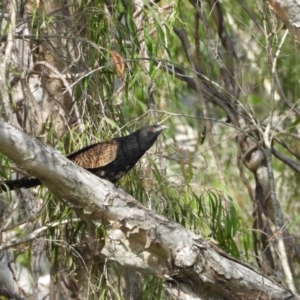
(137, 237)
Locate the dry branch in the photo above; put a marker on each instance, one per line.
(137, 237)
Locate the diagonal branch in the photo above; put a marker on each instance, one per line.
(138, 237)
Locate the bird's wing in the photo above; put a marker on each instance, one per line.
(95, 156)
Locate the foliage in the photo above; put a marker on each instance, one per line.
(116, 55)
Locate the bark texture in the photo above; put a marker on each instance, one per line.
(288, 11)
(137, 237)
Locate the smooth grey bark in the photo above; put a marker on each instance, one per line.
(137, 237)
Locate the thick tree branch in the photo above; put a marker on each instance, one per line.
(137, 237)
(5, 109)
(288, 11)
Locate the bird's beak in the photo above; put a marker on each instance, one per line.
(161, 128)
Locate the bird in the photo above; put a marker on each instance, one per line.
(109, 160)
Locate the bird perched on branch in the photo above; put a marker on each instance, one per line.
(109, 160)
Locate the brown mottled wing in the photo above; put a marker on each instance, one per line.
(95, 156)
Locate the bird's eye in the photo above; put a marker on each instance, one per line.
(151, 129)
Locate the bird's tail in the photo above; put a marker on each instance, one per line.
(19, 183)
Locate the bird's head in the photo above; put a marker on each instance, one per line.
(148, 135)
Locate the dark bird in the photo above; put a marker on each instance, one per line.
(109, 160)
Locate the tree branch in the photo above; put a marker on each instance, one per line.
(138, 237)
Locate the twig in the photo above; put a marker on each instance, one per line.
(33, 235)
(184, 40)
(286, 160)
(267, 138)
